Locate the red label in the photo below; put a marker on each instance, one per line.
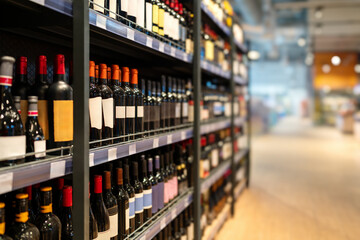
(6, 81)
(32, 113)
(191, 102)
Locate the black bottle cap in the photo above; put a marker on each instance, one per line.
(135, 170)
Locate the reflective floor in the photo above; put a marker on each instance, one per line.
(305, 185)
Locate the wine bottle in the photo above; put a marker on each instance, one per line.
(156, 94)
(173, 21)
(58, 195)
(66, 215)
(139, 196)
(174, 175)
(160, 179)
(2, 223)
(48, 223)
(189, 94)
(96, 75)
(167, 23)
(148, 15)
(95, 108)
(119, 102)
(161, 17)
(107, 106)
(123, 209)
(147, 104)
(12, 135)
(177, 23)
(21, 228)
(123, 9)
(184, 104)
(21, 87)
(177, 102)
(36, 199)
(155, 16)
(147, 187)
(131, 192)
(108, 75)
(101, 214)
(32, 216)
(171, 104)
(164, 111)
(60, 109)
(167, 176)
(140, 14)
(182, 27)
(111, 206)
(154, 187)
(35, 140)
(139, 103)
(130, 105)
(93, 228)
(132, 12)
(17, 104)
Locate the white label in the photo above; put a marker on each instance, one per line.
(132, 6)
(173, 214)
(95, 112)
(166, 23)
(57, 169)
(177, 110)
(108, 112)
(99, 6)
(100, 21)
(149, 42)
(40, 146)
(91, 159)
(191, 113)
(172, 51)
(183, 135)
(112, 8)
(113, 225)
(140, 111)
(12, 147)
(130, 111)
(214, 157)
(41, 2)
(163, 223)
(127, 219)
(169, 139)
(120, 112)
(140, 16)
(104, 235)
(130, 34)
(124, 5)
(155, 143)
(185, 109)
(161, 47)
(112, 154)
(149, 17)
(6, 182)
(132, 149)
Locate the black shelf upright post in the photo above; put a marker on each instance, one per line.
(248, 157)
(81, 48)
(197, 123)
(232, 89)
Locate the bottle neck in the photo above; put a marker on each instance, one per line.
(22, 211)
(42, 79)
(33, 110)
(115, 82)
(103, 81)
(92, 80)
(134, 86)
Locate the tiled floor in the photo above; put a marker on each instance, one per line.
(305, 185)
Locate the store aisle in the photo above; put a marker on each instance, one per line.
(304, 185)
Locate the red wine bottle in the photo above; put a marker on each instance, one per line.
(156, 94)
(123, 206)
(131, 192)
(21, 87)
(164, 111)
(139, 103)
(171, 102)
(101, 214)
(2, 223)
(129, 103)
(139, 196)
(184, 104)
(154, 187)
(12, 135)
(95, 108)
(93, 228)
(150, 105)
(147, 190)
(35, 139)
(21, 228)
(107, 106)
(166, 178)
(60, 109)
(47, 222)
(146, 118)
(177, 103)
(66, 215)
(119, 102)
(111, 205)
(161, 185)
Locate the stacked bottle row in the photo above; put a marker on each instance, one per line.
(182, 227)
(220, 9)
(241, 101)
(215, 148)
(167, 20)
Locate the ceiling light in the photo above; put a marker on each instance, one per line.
(357, 68)
(253, 55)
(335, 60)
(326, 68)
(318, 13)
(301, 42)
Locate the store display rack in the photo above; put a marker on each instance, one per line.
(104, 29)
(240, 188)
(217, 223)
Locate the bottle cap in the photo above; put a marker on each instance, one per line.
(22, 196)
(67, 196)
(126, 172)
(41, 65)
(144, 167)
(60, 184)
(29, 192)
(125, 76)
(103, 71)
(135, 169)
(134, 76)
(115, 72)
(107, 180)
(59, 64)
(96, 71)
(109, 73)
(22, 65)
(203, 141)
(92, 69)
(119, 176)
(97, 184)
(157, 162)
(150, 164)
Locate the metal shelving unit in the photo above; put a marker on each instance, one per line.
(91, 29)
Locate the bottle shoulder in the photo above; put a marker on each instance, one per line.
(47, 222)
(24, 231)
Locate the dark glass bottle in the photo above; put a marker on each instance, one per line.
(101, 214)
(111, 206)
(129, 103)
(107, 106)
(12, 135)
(166, 178)
(171, 100)
(66, 215)
(95, 108)
(154, 186)
(147, 190)
(139, 196)
(17, 104)
(58, 195)
(190, 98)
(123, 209)
(60, 109)
(35, 140)
(93, 228)
(182, 226)
(164, 111)
(146, 118)
(96, 75)
(119, 102)
(21, 86)
(176, 233)
(183, 28)
(48, 223)
(36, 199)
(139, 103)
(32, 216)
(160, 179)
(150, 102)
(156, 95)
(22, 229)
(131, 192)
(2, 223)
(177, 102)
(184, 104)
(177, 24)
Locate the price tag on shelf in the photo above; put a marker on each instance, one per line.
(163, 223)
(172, 51)
(57, 169)
(91, 159)
(169, 139)
(130, 34)
(112, 154)
(183, 135)
(132, 149)
(41, 2)
(6, 182)
(149, 41)
(156, 143)
(161, 47)
(173, 214)
(100, 21)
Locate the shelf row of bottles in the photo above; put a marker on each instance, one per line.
(220, 12)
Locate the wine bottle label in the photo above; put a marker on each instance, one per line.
(99, 5)
(176, 29)
(160, 195)
(12, 147)
(63, 120)
(148, 20)
(132, 8)
(147, 199)
(140, 111)
(43, 117)
(130, 111)
(95, 112)
(183, 237)
(24, 111)
(6, 80)
(190, 231)
(214, 158)
(124, 5)
(166, 192)
(228, 109)
(40, 146)
(177, 110)
(120, 112)
(185, 109)
(166, 23)
(139, 203)
(155, 18)
(112, 8)
(127, 219)
(188, 45)
(105, 235)
(191, 113)
(140, 16)
(218, 108)
(113, 216)
(171, 189)
(108, 112)
(154, 200)
(131, 207)
(161, 21)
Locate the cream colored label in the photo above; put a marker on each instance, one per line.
(112, 8)
(108, 112)
(24, 111)
(120, 112)
(40, 146)
(63, 120)
(12, 147)
(95, 112)
(43, 117)
(99, 5)
(130, 111)
(140, 16)
(140, 111)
